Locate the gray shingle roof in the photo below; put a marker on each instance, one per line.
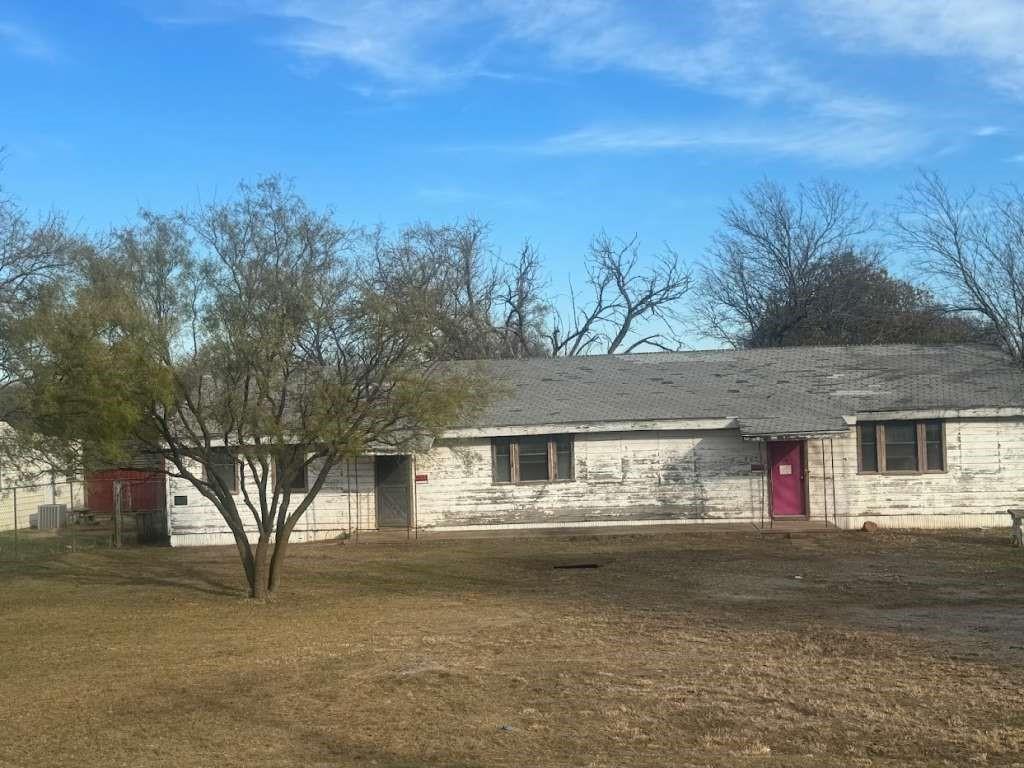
(798, 390)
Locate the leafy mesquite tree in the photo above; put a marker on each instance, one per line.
(482, 307)
(32, 253)
(244, 343)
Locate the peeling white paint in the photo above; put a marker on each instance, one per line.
(668, 475)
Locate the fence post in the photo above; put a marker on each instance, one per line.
(16, 523)
(74, 516)
(117, 512)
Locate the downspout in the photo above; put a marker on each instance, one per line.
(762, 453)
(835, 507)
(415, 501)
(824, 482)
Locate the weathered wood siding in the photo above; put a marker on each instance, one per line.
(662, 477)
(984, 477)
(706, 476)
(347, 501)
(620, 477)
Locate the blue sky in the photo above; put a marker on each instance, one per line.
(548, 119)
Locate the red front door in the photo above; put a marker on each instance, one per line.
(787, 481)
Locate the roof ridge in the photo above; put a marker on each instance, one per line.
(739, 351)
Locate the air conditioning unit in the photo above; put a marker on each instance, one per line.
(52, 516)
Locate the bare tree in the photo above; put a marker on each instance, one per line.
(624, 301)
(485, 307)
(770, 254)
(522, 308)
(972, 246)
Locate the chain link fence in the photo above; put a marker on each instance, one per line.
(65, 515)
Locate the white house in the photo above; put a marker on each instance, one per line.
(30, 483)
(904, 436)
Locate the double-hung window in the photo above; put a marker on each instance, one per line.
(901, 447)
(533, 459)
(223, 465)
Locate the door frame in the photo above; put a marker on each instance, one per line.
(410, 483)
(804, 495)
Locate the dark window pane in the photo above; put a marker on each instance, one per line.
(868, 448)
(292, 470)
(533, 458)
(502, 462)
(901, 447)
(563, 454)
(222, 465)
(935, 455)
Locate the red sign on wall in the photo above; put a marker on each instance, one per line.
(421, 478)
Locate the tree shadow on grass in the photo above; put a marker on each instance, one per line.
(133, 567)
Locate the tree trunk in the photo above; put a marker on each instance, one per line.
(258, 586)
(248, 564)
(277, 560)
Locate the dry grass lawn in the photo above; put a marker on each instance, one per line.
(684, 648)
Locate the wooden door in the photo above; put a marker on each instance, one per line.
(394, 506)
(787, 478)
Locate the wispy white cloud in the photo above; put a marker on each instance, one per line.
(415, 44)
(444, 193)
(848, 144)
(1017, 158)
(401, 43)
(987, 33)
(735, 49)
(984, 131)
(25, 42)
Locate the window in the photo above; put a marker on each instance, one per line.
(223, 465)
(503, 461)
(563, 457)
(868, 448)
(299, 480)
(534, 459)
(934, 447)
(901, 447)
